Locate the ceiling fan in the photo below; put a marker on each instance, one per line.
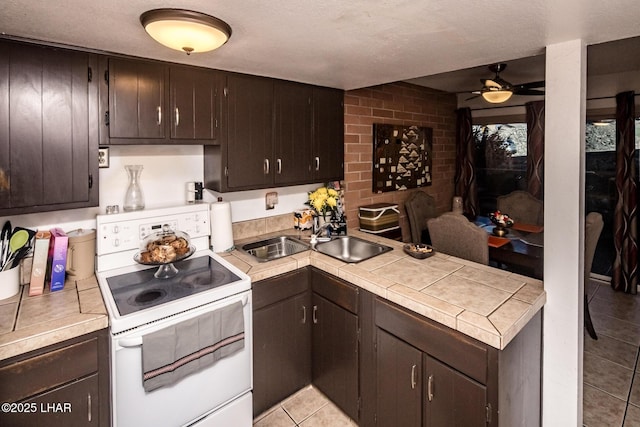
(498, 90)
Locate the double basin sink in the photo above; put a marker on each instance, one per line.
(345, 248)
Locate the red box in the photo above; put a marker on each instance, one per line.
(57, 258)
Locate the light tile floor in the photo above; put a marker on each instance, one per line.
(611, 368)
(306, 408)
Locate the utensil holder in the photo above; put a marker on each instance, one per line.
(9, 282)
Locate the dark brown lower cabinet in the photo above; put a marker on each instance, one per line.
(399, 382)
(384, 365)
(452, 399)
(281, 338)
(335, 340)
(66, 384)
(430, 375)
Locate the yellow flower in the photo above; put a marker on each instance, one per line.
(318, 204)
(323, 200)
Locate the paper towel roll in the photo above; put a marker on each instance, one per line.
(221, 230)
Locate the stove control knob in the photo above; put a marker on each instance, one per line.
(116, 229)
(116, 242)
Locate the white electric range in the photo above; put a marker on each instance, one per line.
(139, 304)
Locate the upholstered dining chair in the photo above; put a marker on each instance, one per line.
(522, 207)
(420, 207)
(454, 234)
(593, 225)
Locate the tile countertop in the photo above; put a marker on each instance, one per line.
(28, 323)
(486, 303)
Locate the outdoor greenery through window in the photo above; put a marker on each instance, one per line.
(501, 161)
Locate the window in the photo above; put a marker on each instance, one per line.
(501, 161)
(600, 186)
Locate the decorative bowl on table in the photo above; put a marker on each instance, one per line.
(502, 223)
(418, 250)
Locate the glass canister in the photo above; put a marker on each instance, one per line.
(134, 199)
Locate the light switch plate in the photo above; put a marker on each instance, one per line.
(271, 200)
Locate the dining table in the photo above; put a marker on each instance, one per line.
(520, 250)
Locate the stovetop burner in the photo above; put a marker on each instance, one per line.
(140, 290)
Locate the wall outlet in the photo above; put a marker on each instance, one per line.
(271, 200)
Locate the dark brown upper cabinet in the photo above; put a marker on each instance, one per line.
(195, 103)
(137, 107)
(328, 134)
(276, 133)
(249, 138)
(293, 133)
(156, 103)
(48, 128)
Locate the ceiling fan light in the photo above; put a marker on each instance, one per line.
(185, 30)
(496, 96)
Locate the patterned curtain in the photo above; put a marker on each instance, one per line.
(625, 221)
(465, 179)
(535, 148)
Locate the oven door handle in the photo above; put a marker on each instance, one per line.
(137, 341)
(130, 342)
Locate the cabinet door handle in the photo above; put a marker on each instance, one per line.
(177, 117)
(89, 407)
(315, 317)
(413, 377)
(278, 166)
(304, 314)
(266, 166)
(430, 388)
(159, 109)
(317, 163)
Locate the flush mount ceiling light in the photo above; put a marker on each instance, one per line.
(185, 30)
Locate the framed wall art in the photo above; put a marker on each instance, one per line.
(401, 157)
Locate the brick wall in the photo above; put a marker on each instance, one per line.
(402, 104)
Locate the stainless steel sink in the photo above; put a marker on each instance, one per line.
(351, 249)
(274, 248)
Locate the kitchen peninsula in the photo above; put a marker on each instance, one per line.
(484, 324)
(474, 330)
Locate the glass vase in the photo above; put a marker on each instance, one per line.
(134, 199)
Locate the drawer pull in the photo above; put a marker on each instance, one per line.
(177, 117)
(266, 166)
(304, 314)
(315, 317)
(159, 115)
(413, 377)
(279, 166)
(430, 388)
(317, 163)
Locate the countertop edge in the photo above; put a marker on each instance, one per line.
(489, 334)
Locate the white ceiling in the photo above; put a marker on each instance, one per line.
(344, 44)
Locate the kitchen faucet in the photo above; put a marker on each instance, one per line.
(315, 237)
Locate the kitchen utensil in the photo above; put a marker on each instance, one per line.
(18, 240)
(16, 257)
(32, 234)
(4, 242)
